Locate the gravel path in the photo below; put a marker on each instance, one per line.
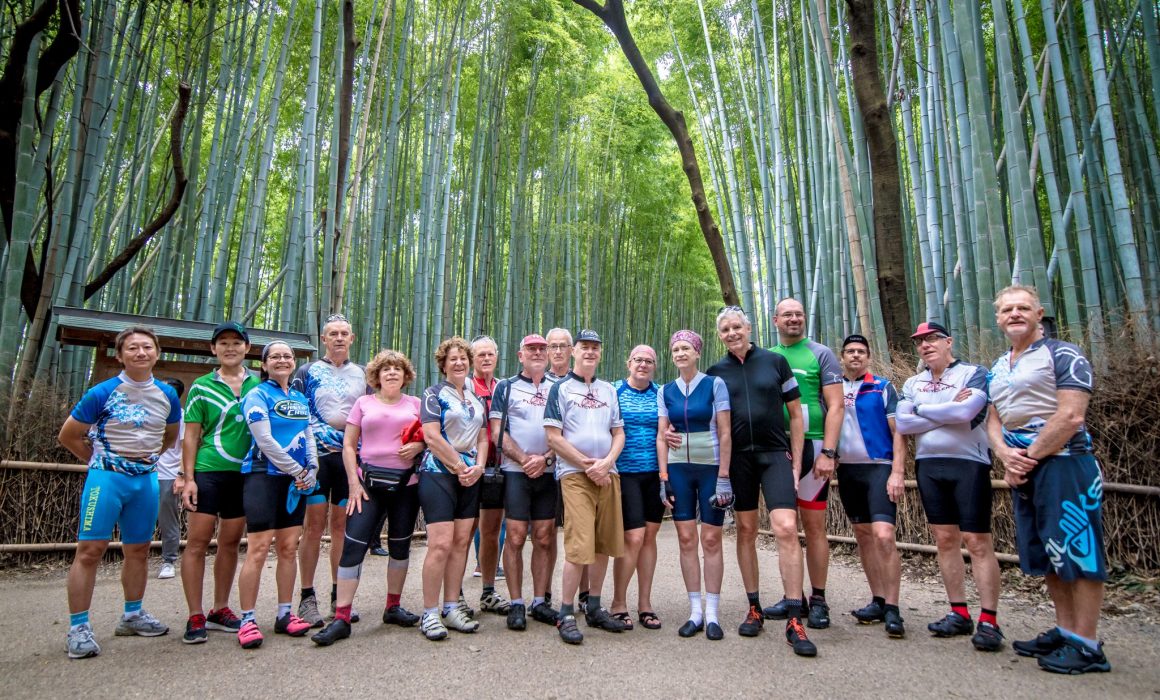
(853, 661)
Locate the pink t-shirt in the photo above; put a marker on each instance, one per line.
(382, 428)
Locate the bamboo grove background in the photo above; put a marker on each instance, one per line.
(431, 167)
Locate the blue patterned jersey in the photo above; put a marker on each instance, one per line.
(460, 420)
(289, 418)
(1025, 392)
(331, 391)
(638, 410)
(128, 422)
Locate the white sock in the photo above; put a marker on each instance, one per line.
(695, 608)
(712, 601)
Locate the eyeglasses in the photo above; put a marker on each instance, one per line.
(275, 358)
(929, 338)
(556, 347)
(642, 361)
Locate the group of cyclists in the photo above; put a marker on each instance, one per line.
(332, 445)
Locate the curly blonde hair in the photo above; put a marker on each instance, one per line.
(447, 346)
(385, 359)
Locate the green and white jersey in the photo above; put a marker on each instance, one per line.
(815, 366)
(225, 438)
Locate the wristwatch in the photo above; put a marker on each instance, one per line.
(550, 461)
(832, 454)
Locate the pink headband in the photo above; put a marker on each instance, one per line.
(689, 337)
(643, 350)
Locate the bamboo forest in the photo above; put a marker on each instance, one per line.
(440, 167)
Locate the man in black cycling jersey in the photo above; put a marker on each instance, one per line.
(764, 461)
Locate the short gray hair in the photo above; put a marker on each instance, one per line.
(732, 311)
(565, 331)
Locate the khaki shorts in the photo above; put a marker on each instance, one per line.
(592, 520)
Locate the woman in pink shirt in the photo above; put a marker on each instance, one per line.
(381, 472)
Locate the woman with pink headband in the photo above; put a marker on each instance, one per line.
(695, 476)
(639, 481)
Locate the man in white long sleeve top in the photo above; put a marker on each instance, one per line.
(945, 408)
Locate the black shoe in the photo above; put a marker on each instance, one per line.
(1043, 644)
(336, 630)
(380, 552)
(1074, 657)
(753, 623)
(869, 614)
(818, 617)
(988, 637)
(398, 615)
(517, 619)
(544, 612)
(604, 621)
(795, 636)
(780, 609)
(952, 625)
(713, 632)
(894, 628)
(690, 628)
(569, 632)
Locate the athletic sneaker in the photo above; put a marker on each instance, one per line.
(463, 604)
(459, 620)
(1043, 644)
(869, 614)
(544, 612)
(432, 627)
(795, 636)
(223, 620)
(569, 632)
(291, 625)
(81, 643)
(494, 603)
(336, 630)
(988, 637)
(780, 609)
(476, 574)
(167, 571)
(380, 552)
(398, 615)
(308, 611)
(195, 630)
(894, 628)
(517, 619)
(753, 623)
(249, 636)
(1074, 657)
(818, 615)
(142, 624)
(601, 619)
(499, 575)
(952, 625)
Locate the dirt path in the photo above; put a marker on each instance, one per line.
(853, 661)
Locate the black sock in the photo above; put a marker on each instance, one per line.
(488, 589)
(818, 593)
(333, 592)
(593, 604)
(583, 598)
(891, 608)
(754, 599)
(566, 609)
(879, 599)
(307, 592)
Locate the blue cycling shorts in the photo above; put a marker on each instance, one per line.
(1059, 525)
(694, 485)
(127, 501)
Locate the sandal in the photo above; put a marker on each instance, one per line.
(649, 620)
(623, 617)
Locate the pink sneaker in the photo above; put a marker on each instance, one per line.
(249, 636)
(292, 625)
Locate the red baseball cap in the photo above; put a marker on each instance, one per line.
(927, 327)
(533, 339)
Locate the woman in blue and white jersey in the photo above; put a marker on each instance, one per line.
(453, 418)
(282, 464)
(119, 428)
(695, 475)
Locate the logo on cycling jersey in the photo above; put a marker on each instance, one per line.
(934, 386)
(292, 410)
(537, 399)
(849, 399)
(590, 401)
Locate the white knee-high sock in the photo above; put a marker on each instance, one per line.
(712, 601)
(695, 613)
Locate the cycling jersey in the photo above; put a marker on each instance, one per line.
(692, 411)
(946, 428)
(759, 387)
(1024, 393)
(866, 436)
(288, 416)
(638, 410)
(460, 420)
(330, 391)
(815, 366)
(169, 463)
(225, 439)
(128, 421)
(524, 402)
(585, 413)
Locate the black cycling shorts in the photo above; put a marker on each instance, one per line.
(444, 499)
(527, 499)
(753, 473)
(955, 492)
(862, 488)
(332, 482)
(264, 501)
(640, 499)
(220, 494)
(401, 508)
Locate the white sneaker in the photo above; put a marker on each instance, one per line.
(458, 619)
(167, 571)
(432, 627)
